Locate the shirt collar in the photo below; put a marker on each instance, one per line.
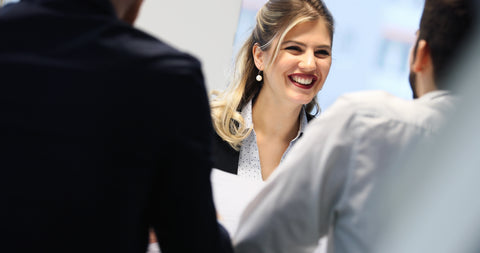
(303, 122)
(247, 115)
(435, 94)
(441, 100)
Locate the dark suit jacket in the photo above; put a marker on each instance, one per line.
(225, 157)
(94, 151)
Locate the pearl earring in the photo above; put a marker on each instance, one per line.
(259, 76)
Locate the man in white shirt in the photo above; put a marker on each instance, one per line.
(329, 182)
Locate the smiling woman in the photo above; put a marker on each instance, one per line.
(272, 95)
(300, 66)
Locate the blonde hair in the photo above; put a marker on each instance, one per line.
(274, 20)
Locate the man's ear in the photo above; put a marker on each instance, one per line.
(127, 10)
(258, 56)
(422, 58)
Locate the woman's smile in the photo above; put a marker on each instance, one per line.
(303, 81)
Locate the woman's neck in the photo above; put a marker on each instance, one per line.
(273, 118)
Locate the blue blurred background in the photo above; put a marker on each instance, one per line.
(370, 47)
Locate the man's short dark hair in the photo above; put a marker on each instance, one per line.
(446, 25)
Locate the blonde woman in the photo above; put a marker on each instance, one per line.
(278, 73)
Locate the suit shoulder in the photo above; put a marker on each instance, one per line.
(172, 58)
(149, 51)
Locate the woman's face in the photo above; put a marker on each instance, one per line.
(301, 66)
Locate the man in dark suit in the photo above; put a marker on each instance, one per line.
(105, 132)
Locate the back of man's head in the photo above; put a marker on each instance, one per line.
(446, 25)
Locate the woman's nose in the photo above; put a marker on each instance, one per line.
(307, 63)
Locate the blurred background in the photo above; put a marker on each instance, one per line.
(370, 49)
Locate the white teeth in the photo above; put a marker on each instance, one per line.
(301, 80)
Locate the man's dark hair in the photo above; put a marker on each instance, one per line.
(446, 25)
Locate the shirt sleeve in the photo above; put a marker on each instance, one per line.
(297, 205)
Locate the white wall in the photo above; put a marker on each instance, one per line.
(203, 28)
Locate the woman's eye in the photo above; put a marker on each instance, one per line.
(294, 48)
(322, 52)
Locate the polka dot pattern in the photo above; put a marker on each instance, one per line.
(249, 159)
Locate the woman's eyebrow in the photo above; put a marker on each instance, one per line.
(325, 46)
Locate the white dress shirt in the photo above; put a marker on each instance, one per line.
(327, 184)
(249, 159)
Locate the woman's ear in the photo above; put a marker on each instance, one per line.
(422, 58)
(258, 56)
